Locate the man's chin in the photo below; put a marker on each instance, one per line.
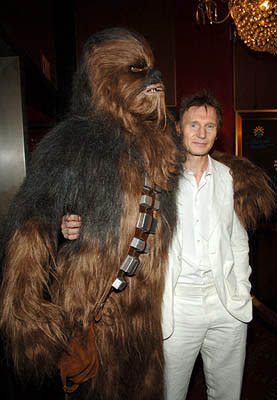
(199, 153)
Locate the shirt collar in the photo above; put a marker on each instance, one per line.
(187, 172)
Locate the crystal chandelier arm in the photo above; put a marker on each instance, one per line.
(223, 20)
(200, 15)
(208, 8)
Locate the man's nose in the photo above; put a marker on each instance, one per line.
(154, 73)
(202, 132)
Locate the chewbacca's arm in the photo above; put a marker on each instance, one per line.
(32, 326)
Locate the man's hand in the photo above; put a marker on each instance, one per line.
(70, 226)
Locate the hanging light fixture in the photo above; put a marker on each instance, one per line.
(207, 11)
(255, 20)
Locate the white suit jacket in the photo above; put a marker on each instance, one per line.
(228, 254)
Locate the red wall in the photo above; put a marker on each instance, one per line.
(204, 60)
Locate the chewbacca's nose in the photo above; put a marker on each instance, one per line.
(154, 73)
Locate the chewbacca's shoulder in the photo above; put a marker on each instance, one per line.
(78, 140)
(68, 170)
(80, 131)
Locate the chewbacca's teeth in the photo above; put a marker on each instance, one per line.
(154, 89)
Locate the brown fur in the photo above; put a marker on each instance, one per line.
(28, 319)
(48, 298)
(124, 99)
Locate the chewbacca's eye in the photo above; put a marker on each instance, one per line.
(137, 68)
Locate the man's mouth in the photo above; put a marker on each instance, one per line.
(200, 143)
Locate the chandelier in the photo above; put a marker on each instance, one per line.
(255, 20)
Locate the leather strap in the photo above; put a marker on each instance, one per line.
(146, 225)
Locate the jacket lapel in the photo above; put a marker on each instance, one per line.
(217, 196)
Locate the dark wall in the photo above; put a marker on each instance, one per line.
(255, 79)
(204, 60)
(28, 25)
(42, 34)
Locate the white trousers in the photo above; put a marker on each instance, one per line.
(201, 324)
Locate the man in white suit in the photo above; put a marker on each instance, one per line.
(207, 301)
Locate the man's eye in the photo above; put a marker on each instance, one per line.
(211, 126)
(137, 68)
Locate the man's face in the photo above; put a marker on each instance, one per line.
(198, 127)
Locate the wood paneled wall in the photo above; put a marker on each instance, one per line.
(255, 79)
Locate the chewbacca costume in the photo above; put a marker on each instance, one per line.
(114, 161)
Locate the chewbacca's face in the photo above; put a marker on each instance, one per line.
(124, 81)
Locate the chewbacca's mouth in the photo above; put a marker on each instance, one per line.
(154, 88)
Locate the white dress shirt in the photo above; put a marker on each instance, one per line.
(193, 208)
